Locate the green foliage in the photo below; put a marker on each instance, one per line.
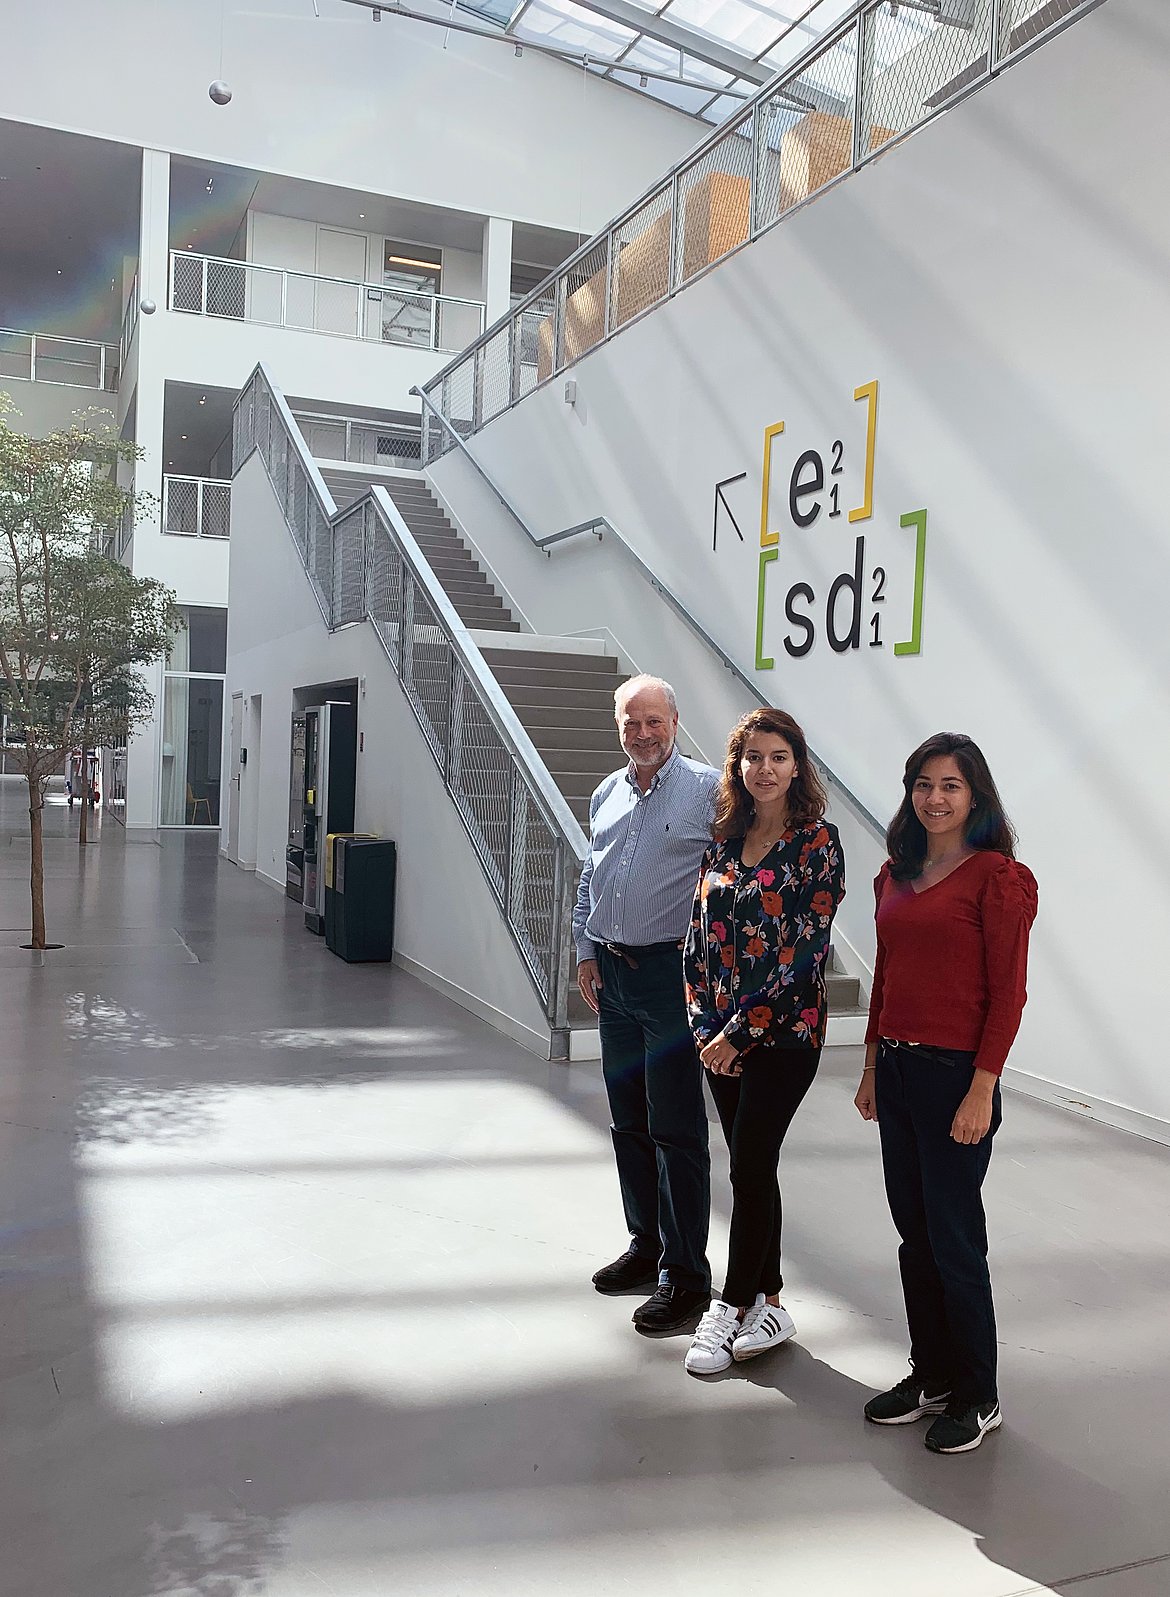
(76, 627)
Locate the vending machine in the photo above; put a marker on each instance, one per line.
(294, 854)
(329, 788)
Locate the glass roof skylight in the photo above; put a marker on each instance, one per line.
(704, 57)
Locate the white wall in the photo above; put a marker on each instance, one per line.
(42, 408)
(387, 108)
(1011, 297)
(277, 642)
(221, 353)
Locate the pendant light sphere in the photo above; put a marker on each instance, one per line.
(147, 307)
(220, 92)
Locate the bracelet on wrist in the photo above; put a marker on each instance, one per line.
(864, 1068)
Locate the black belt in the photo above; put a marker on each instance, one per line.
(634, 955)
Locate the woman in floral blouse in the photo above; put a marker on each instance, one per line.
(755, 978)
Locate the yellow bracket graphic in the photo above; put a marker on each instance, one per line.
(768, 539)
(869, 392)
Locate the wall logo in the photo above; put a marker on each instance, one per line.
(800, 489)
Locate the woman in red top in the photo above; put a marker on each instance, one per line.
(954, 908)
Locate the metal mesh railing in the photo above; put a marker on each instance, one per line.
(640, 258)
(495, 374)
(903, 80)
(208, 285)
(805, 131)
(197, 507)
(878, 69)
(359, 441)
(363, 565)
(582, 297)
(713, 213)
(350, 538)
(1022, 22)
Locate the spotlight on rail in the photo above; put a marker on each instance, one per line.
(219, 92)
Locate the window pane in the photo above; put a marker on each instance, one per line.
(192, 747)
(206, 640)
(413, 266)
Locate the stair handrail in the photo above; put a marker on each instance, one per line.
(564, 829)
(602, 525)
(793, 88)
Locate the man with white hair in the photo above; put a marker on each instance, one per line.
(650, 824)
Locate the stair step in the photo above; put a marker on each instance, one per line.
(582, 718)
(540, 659)
(531, 676)
(439, 541)
(453, 565)
(844, 992)
(471, 583)
(570, 765)
(566, 739)
(559, 699)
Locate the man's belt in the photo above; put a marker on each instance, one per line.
(633, 955)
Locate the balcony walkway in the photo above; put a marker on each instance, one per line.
(295, 1300)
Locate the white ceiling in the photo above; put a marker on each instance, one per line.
(68, 216)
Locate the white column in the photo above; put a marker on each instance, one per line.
(142, 766)
(497, 266)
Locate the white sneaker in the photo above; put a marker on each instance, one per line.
(710, 1351)
(765, 1325)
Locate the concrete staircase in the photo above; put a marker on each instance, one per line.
(562, 695)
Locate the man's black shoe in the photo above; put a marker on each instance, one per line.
(631, 1270)
(962, 1428)
(671, 1308)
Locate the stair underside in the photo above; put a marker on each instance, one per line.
(564, 701)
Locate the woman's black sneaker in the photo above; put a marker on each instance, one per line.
(631, 1270)
(963, 1427)
(910, 1400)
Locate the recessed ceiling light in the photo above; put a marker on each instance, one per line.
(203, 399)
(361, 216)
(183, 436)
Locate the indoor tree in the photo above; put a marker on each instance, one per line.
(75, 625)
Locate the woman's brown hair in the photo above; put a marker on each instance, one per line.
(733, 804)
(987, 825)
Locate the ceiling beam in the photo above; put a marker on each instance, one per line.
(682, 38)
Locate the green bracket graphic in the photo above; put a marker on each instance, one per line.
(763, 662)
(916, 519)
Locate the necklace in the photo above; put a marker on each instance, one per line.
(933, 864)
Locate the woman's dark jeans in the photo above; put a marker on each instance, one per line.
(933, 1185)
(756, 1110)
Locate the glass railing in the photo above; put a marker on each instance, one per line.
(64, 362)
(242, 291)
(884, 69)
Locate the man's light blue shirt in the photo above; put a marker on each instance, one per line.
(638, 884)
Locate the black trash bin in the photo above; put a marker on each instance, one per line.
(361, 927)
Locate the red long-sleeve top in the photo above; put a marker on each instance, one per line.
(952, 960)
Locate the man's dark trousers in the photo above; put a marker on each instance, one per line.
(654, 1081)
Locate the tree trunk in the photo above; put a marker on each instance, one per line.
(83, 829)
(36, 807)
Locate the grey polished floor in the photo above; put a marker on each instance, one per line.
(294, 1300)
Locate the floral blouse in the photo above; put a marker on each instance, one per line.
(755, 955)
